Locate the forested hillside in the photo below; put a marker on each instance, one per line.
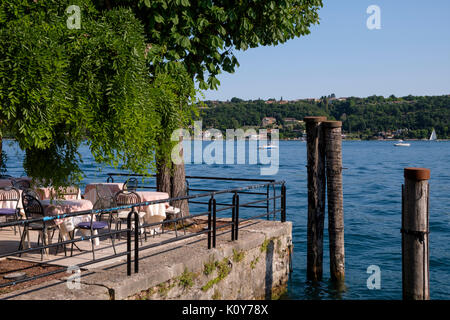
(406, 117)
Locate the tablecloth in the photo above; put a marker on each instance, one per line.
(106, 190)
(154, 209)
(66, 225)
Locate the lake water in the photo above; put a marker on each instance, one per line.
(372, 211)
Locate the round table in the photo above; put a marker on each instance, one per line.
(106, 190)
(158, 209)
(66, 225)
(8, 182)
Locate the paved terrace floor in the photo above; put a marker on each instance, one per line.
(9, 241)
(108, 279)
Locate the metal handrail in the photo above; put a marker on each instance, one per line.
(211, 230)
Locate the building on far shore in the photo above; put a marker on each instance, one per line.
(267, 121)
(292, 121)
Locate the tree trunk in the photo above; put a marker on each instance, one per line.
(1, 149)
(172, 179)
(179, 187)
(163, 179)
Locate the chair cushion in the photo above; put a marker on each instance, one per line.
(7, 212)
(95, 225)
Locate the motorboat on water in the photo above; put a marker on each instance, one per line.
(268, 146)
(401, 143)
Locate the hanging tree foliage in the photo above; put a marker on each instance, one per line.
(60, 86)
(123, 80)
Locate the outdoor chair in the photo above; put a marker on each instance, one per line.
(31, 192)
(131, 184)
(94, 225)
(11, 213)
(33, 209)
(69, 193)
(123, 198)
(175, 213)
(21, 184)
(105, 200)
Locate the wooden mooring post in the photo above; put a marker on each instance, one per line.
(333, 159)
(316, 196)
(415, 229)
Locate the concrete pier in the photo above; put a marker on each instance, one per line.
(256, 266)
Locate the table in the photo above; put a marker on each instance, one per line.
(8, 182)
(158, 209)
(66, 225)
(106, 190)
(49, 193)
(5, 183)
(44, 193)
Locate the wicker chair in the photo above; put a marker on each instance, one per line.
(11, 195)
(131, 184)
(93, 225)
(33, 209)
(123, 198)
(21, 184)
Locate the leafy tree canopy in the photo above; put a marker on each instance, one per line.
(202, 34)
(123, 80)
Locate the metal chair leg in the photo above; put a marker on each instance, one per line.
(92, 245)
(22, 240)
(182, 222)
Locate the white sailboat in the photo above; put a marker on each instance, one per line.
(433, 136)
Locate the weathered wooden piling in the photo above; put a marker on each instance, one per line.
(316, 196)
(415, 217)
(333, 159)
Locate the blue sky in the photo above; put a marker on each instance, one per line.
(410, 54)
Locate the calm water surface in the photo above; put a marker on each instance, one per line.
(372, 210)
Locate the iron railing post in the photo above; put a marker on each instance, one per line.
(268, 201)
(236, 217)
(233, 217)
(136, 242)
(274, 201)
(128, 244)
(283, 203)
(214, 222)
(209, 221)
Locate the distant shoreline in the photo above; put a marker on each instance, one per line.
(395, 140)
